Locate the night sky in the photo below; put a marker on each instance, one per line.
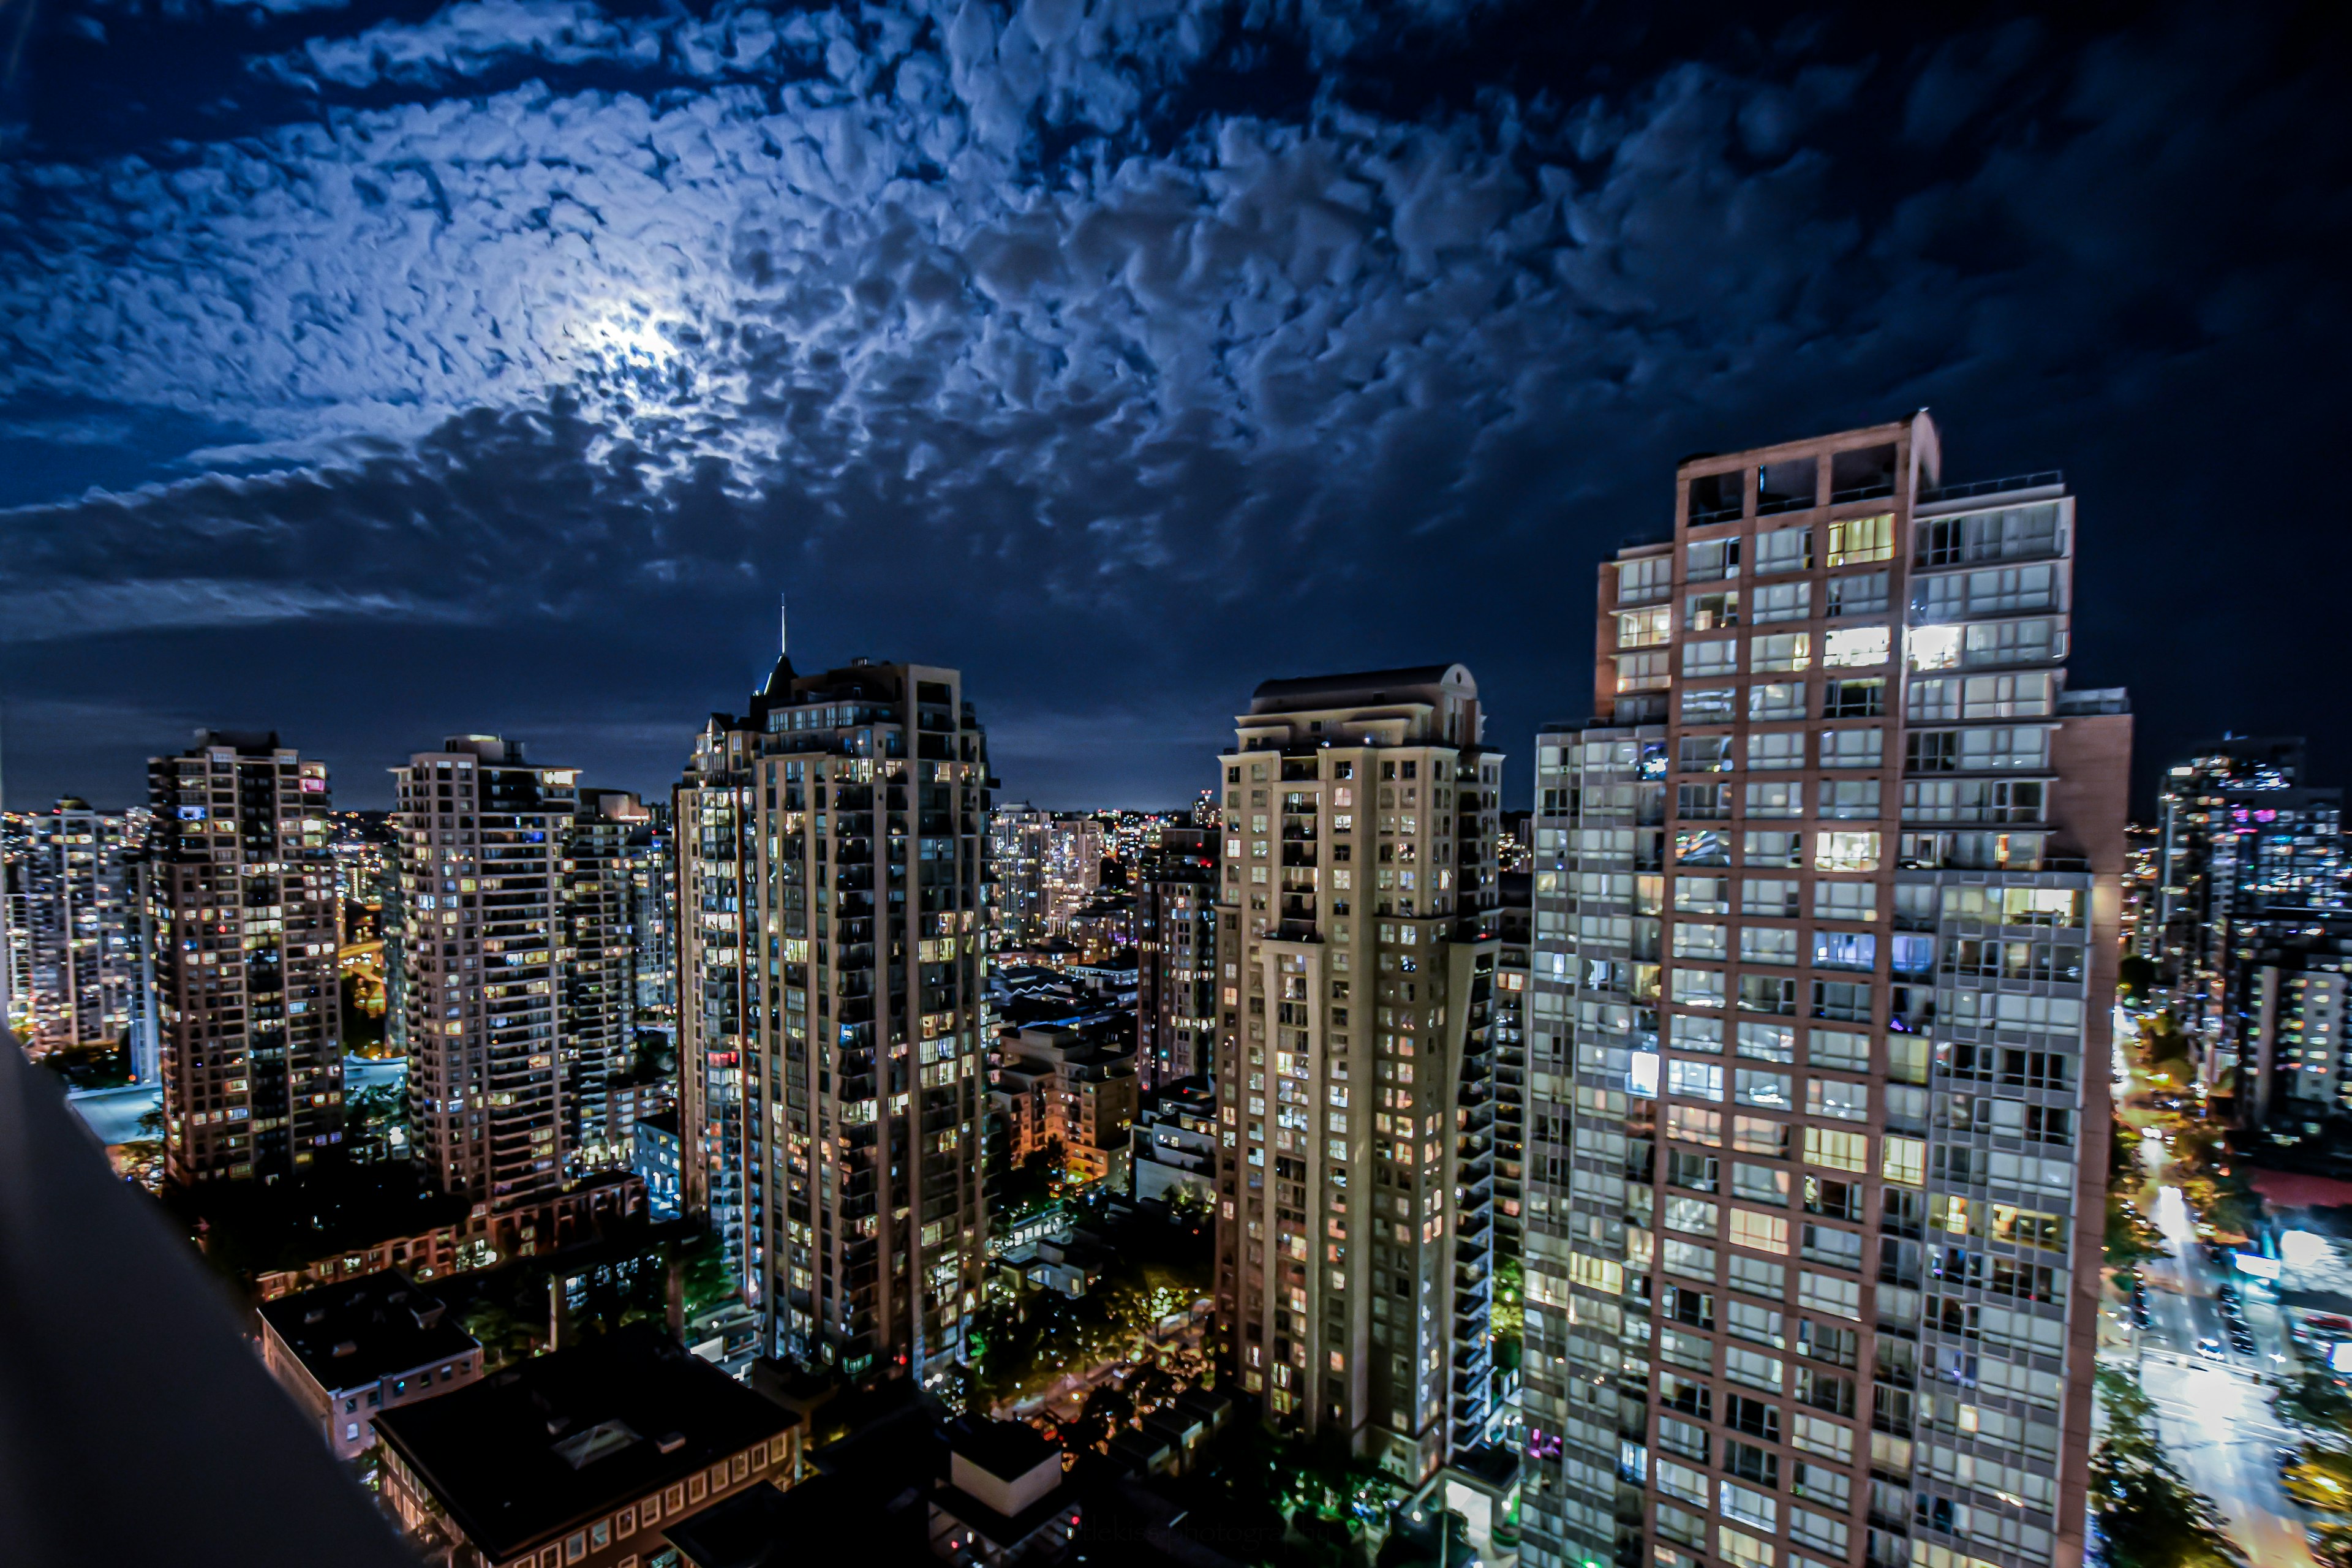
(378, 371)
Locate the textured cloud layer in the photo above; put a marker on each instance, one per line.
(1123, 351)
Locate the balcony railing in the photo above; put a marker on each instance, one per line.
(105, 1311)
(2043, 480)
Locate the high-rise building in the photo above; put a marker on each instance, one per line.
(652, 919)
(1176, 959)
(717, 985)
(1019, 843)
(68, 891)
(1507, 1028)
(484, 982)
(2289, 986)
(832, 868)
(1355, 975)
(2243, 842)
(241, 901)
(598, 960)
(1826, 921)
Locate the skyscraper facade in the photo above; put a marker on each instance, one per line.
(718, 983)
(652, 919)
(1507, 1027)
(1826, 922)
(68, 891)
(1020, 842)
(834, 868)
(1355, 973)
(2247, 853)
(481, 840)
(1175, 954)
(598, 960)
(241, 901)
(2289, 1066)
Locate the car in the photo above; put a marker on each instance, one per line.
(2207, 1345)
(2288, 1459)
(2228, 1292)
(2242, 1343)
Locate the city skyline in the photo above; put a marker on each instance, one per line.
(1205, 783)
(1431, 336)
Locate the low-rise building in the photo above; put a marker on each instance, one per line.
(1006, 1499)
(1175, 1144)
(579, 1458)
(658, 1157)
(1066, 1088)
(481, 1239)
(348, 1351)
(629, 1103)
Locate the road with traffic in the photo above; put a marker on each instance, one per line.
(2212, 1402)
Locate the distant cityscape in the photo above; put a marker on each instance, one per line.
(1754, 1152)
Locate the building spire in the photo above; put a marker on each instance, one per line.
(783, 624)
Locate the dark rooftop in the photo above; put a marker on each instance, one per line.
(1414, 683)
(1005, 1449)
(661, 1122)
(357, 1331)
(561, 1438)
(757, 1526)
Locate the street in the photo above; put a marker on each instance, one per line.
(2214, 1416)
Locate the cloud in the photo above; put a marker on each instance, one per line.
(112, 609)
(1149, 325)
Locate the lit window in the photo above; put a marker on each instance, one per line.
(1856, 647)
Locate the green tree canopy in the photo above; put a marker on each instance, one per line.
(2149, 1515)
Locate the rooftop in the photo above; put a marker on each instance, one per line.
(757, 1526)
(563, 1437)
(357, 1332)
(1418, 683)
(1005, 1449)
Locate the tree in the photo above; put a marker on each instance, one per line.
(709, 1282)
(372, 1114)
(2149, 1514)
(2131, 1238)
(1105, 1413)
(504, 1336)
(2316, 1399)
(2135, 976)
(2322, 1479)
(1509, 1325)
(2166, 1050)
(2123, 1152)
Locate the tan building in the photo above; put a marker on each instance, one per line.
(248, 997)
(1826, 911)
(1062, 1088)
(480, 855)
(349, 1351)
(1354, 1181)
(835, 833)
